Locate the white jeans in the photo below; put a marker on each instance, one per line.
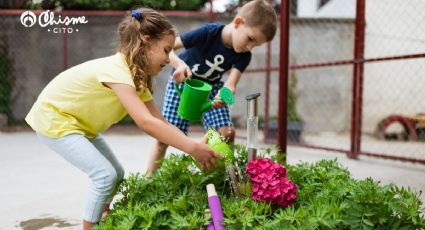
(95, 158)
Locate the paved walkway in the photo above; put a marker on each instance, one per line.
(39, 190)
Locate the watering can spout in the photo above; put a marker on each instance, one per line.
(226, 96)
(207, 105)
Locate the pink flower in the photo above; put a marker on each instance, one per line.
(270, 182)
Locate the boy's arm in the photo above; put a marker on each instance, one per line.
(231, 83)
(233, 80)
(182, 71)
(174, 59)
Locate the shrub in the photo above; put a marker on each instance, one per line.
(327, 198)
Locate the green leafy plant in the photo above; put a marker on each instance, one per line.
(327, 198)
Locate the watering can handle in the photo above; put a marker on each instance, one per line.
(176, 85)
(179, 91)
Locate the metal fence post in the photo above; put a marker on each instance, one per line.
(283, 73)
(358, 68)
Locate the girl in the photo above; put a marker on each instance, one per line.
(85, 100)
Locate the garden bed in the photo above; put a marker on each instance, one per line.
(327, 198)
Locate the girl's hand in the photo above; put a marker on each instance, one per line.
(205, 156)
(181, 73)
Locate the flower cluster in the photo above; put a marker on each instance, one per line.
(270, 182)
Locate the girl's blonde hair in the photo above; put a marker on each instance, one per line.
(137, 31)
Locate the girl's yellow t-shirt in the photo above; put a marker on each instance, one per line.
(76, 101)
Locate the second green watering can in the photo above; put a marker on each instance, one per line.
(194, 99)
(216, 143)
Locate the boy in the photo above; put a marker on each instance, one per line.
(211, 50)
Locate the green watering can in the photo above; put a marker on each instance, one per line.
(194, 99)
(216, 143)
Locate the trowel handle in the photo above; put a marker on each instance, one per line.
(215, 207)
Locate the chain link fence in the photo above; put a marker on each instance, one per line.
(325, 49)
(394, 86)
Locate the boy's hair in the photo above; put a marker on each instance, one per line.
(133, 31)
(259, 13)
